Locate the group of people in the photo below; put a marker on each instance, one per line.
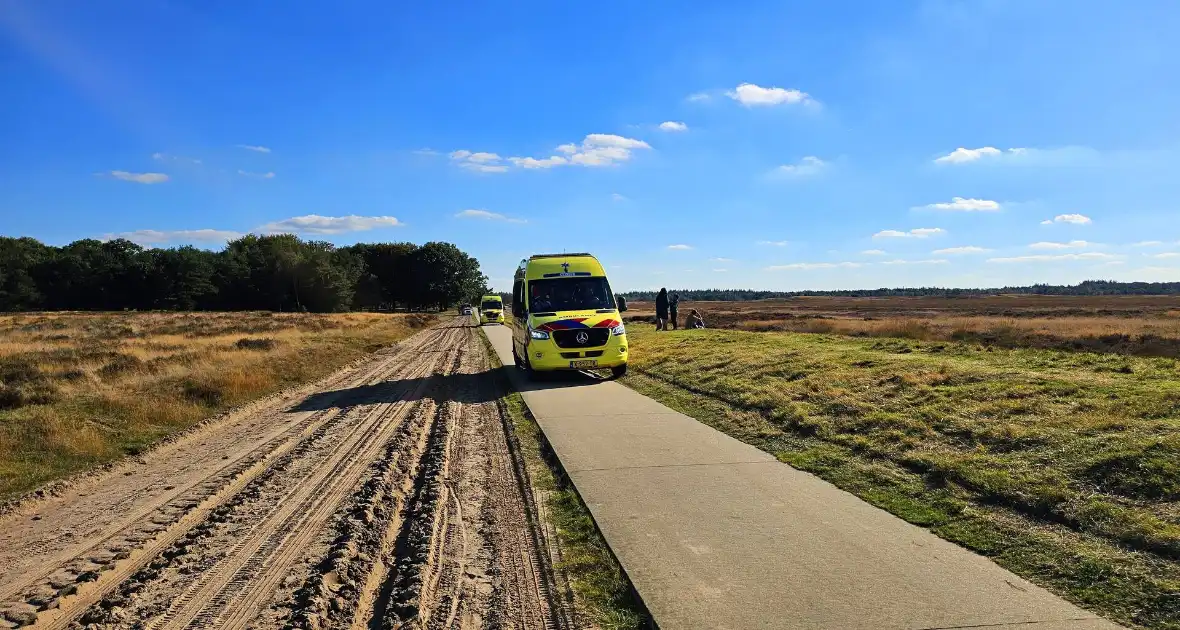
(668, 312)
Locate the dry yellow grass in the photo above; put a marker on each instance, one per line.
(82, 389)
(1137, 325)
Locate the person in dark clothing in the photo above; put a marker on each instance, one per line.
(662, 310)
(673, 307)
(695, 320)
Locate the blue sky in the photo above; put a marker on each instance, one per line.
(838, 144)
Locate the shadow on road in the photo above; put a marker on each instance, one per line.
(464, 388)
(549, 380)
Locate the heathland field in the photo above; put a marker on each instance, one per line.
(1062, 465)
(1140, 325)
(79, 389)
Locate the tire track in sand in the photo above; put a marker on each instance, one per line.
(399, 499)
(254, 548)
(94, 536)
(464, 547)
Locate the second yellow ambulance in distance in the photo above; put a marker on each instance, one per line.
(491, 310)
(565, 316)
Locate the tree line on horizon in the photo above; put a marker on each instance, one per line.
(1086, 288)
(276, 273)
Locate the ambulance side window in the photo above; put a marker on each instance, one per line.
(518, 309)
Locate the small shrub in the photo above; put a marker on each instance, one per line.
(10, 398)
(419, 320)
(16, 371)
(72, 375)
(120, 364)
(16, 397)
(252, 343)
(203, 393)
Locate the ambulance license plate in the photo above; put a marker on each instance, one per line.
(582, 365)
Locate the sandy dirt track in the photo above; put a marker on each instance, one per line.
(389, 495)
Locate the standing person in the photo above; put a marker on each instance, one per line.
(673, 307)
(662, 310)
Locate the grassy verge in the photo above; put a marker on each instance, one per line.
(1062, 467)
(601, 590)
(78, 390)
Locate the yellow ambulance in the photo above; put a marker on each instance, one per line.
(565, 316)
(491, 310)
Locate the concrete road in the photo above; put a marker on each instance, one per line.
(715, 533)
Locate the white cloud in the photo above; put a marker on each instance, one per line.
(267, 175)
(617, 197)
(1167, 255)
(156, 237)
(1076, 219)
(167, 157)
(1054, 257)
(680, 247)
(481, 157)
(810, 266)
(611, 140)
(140, 178)
(1148, 244)
(1059, 156)
(721, 259)
(807, 166)
(966, 249)
(914, 233)
(698, 97)
(774, 243)
(597, 149)
(528, 162)
(720, 270)
(1051, 245)
(425, 151)
(959, 204)
(962, 155)
(873, 252)
(255, 148)
(485, 168)
(928, 261)
(316, 224)
(479, 161)
(602, 149)
(672, 125)
(477, 213)
(750, 95)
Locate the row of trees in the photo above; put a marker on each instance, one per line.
(1089, 287)
(280, 273)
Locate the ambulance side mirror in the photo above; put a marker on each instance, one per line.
(622, 303)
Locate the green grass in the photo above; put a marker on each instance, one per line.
(601, 589)
(1062, 467)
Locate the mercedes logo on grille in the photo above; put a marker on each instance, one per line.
(582, 338)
